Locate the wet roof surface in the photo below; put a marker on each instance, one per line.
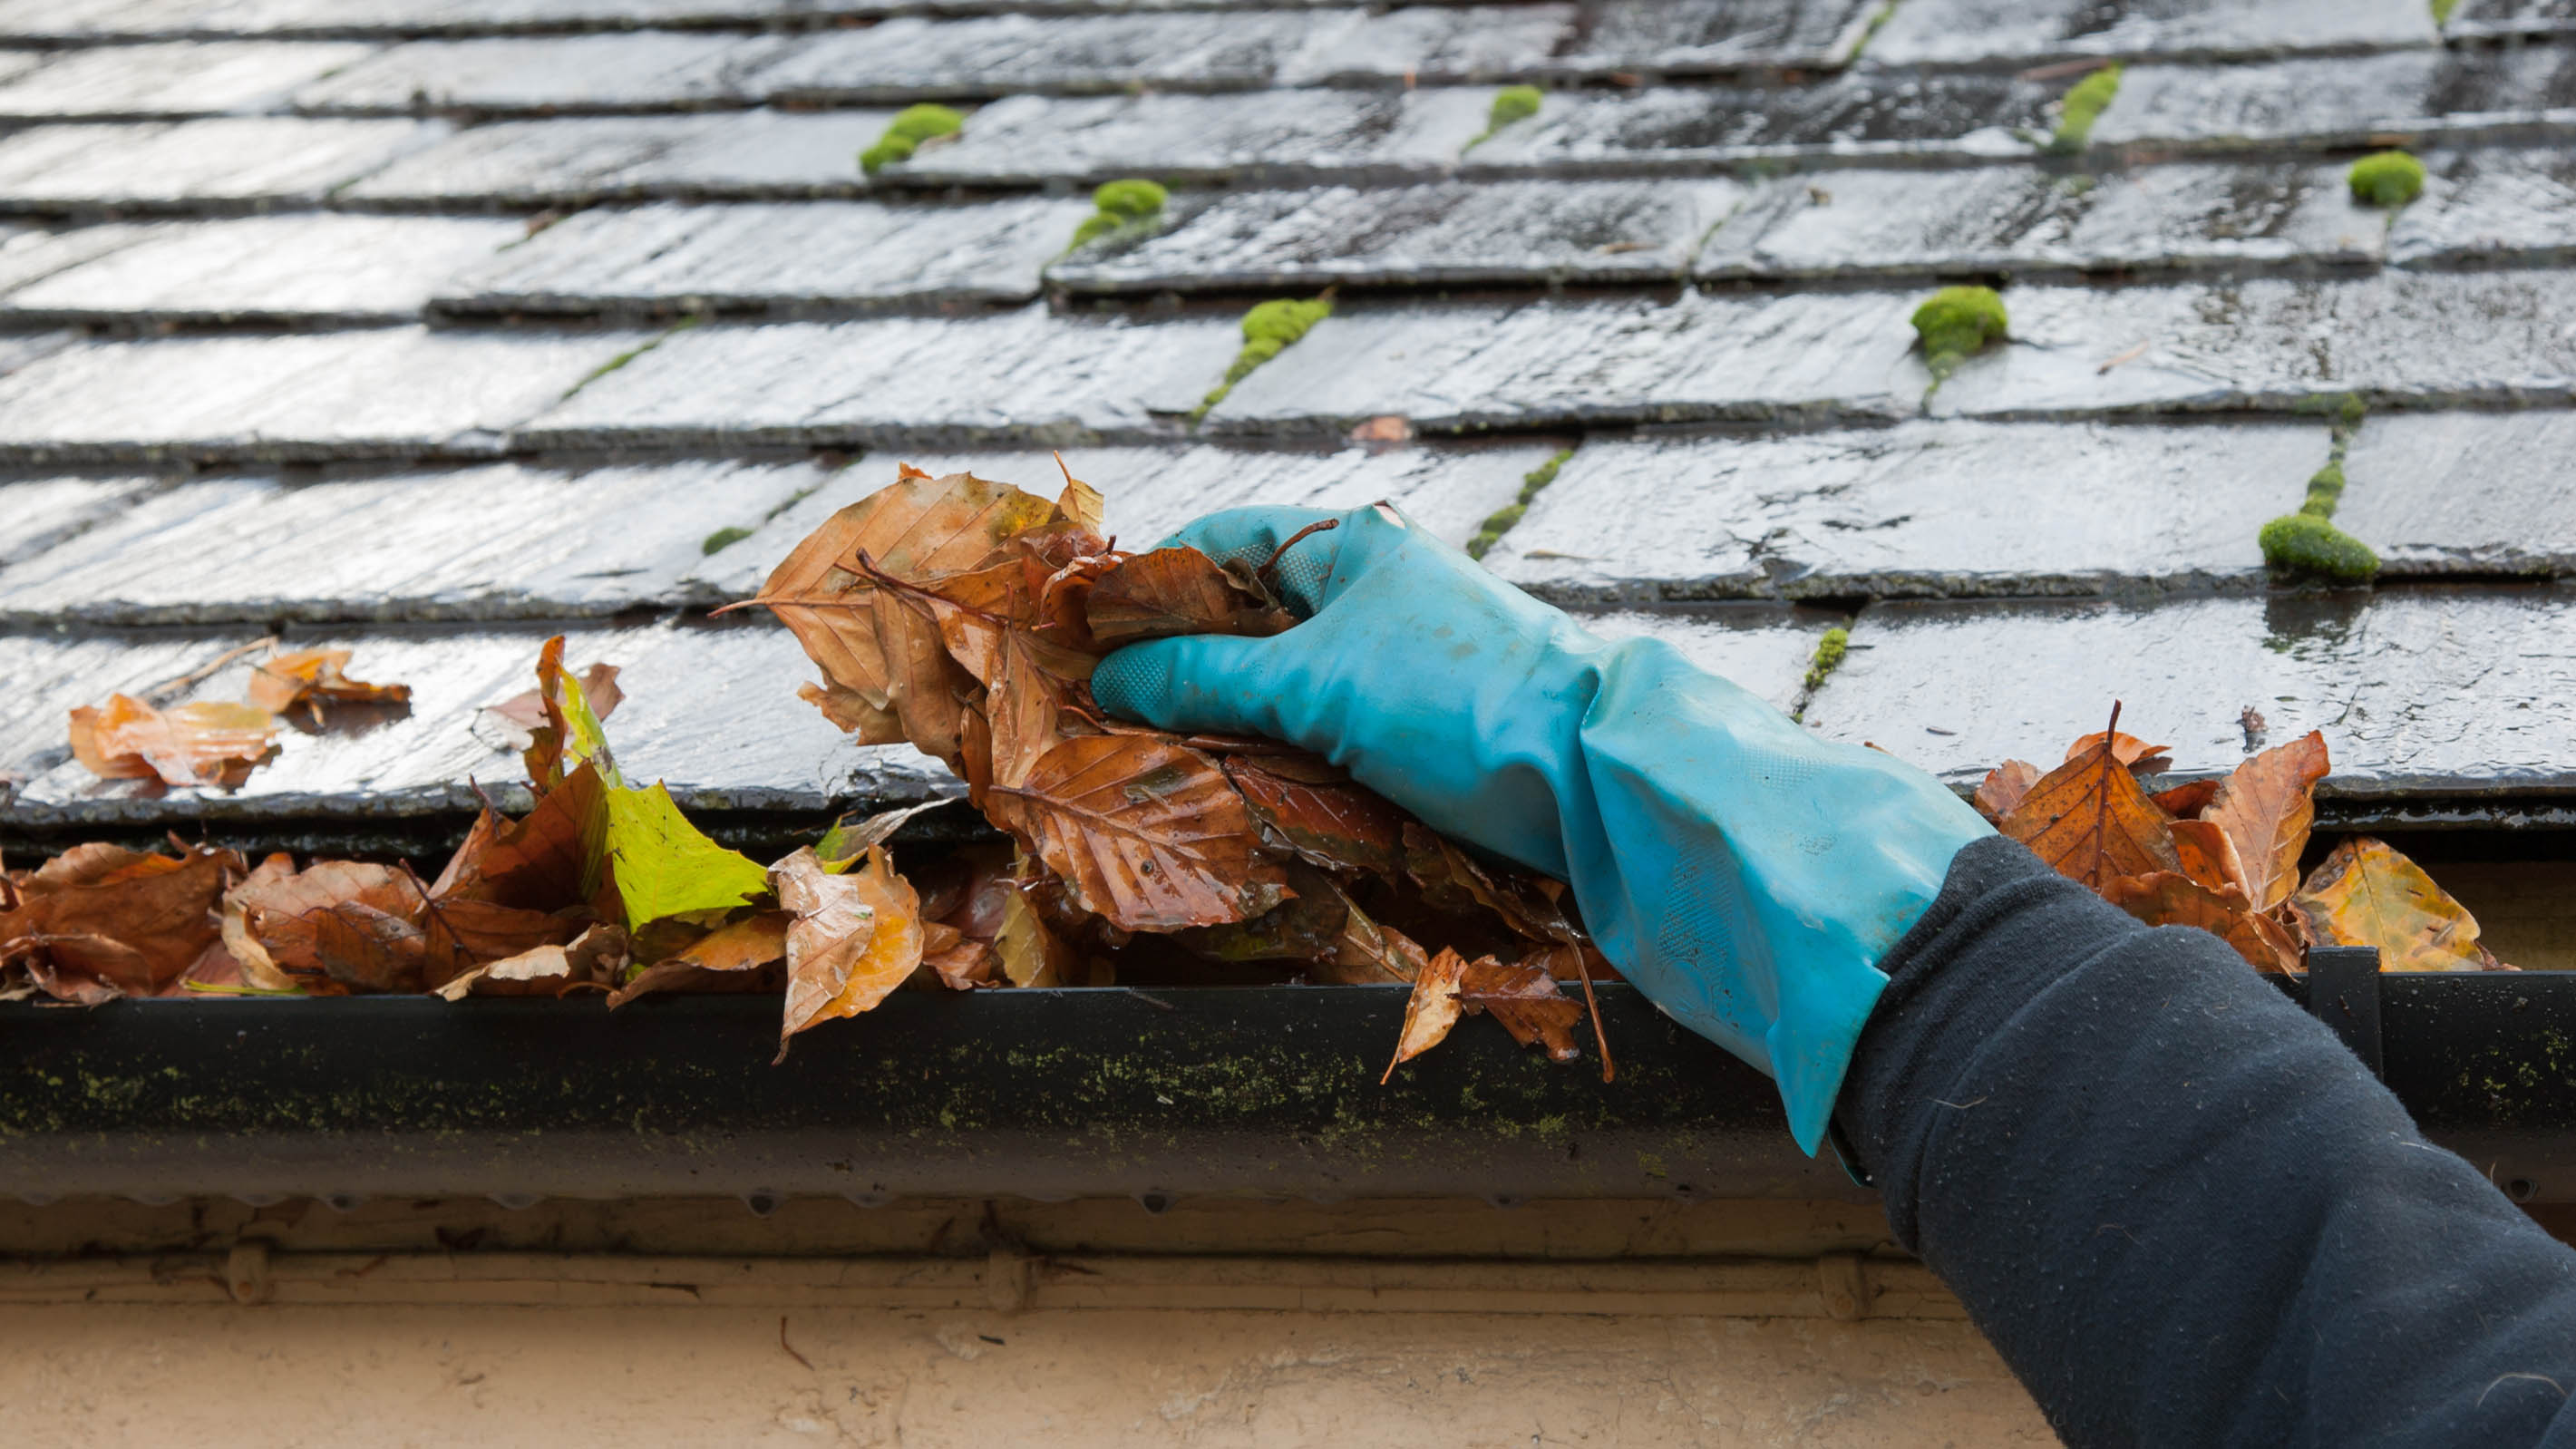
(433, 327)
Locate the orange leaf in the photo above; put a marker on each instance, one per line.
(2186, 801)
(2004, 787)
(2208, 855)
(1147, 834)
(355, 924)
(1176, 591)
(2266, 806)
(2091, 820)
(314, 677)
(208, 743)
(2367, 894)
(2165, 898)
(1430, 1011)
(2132, 752)
(1340, 826)
(1525, 1000)
(856, 937)
(101, 921)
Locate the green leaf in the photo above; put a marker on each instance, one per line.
(664, 866)
(586, 741)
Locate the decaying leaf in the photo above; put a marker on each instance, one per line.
(1430, 1011)
(854, 939)
(1334, 824)
(2187, 800)
(101, 921)
(314, 678)
(524, 714)
(206, 743)
(1151, 836)
(2167, 898)
(592, 959)
(1524, 998)
(1177, 591)
(2266, 808)
(338, 925)
(2366, 894)
(2132, 753)
(2004, 787)
(2091, 820)
(2208, 855)
(744, 946)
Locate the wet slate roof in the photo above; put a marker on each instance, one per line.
(431, 327)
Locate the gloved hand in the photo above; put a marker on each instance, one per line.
(1744, 874)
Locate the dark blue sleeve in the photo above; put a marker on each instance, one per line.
(2179, 1208)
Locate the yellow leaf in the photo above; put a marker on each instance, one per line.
(2366, 894)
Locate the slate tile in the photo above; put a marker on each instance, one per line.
(299, 266)
(1805, 356)
(2028, 221)
(395, 392)
(1766, 648)
(1684, 129)
(2412, 339)
(2033, 32)
(35, 253)
(1510, 233)
(2399, 97)
(783, 256)
(711, 712)
(644, 70)
(500, 542)
(747, 155)
(1325, 135)
(1920, 509)
(2464, 492)
(1025, 377)
(236, 160)
(1154, 490)
(2417, 690)
(2489, 204)
(192, 19)
(1003, 55)
(1699, 36)
(186, 78)
(2483, 19)
(44, 511)
(1438, 45)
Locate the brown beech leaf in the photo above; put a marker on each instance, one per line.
(854, 939)
(1337, 824)
(591, 959)
(346, 922)
(207, 743)
(1176, 591)
(2267, 806)
(314, 678)
(2165, 898)
(2003, 788)
(1452, 880)
(525, 713)
(101, 921)
(2187, 801)
(917, 527)
(1524, 998)
(2367, 894)
(1080, 501)
(2132, 752)
(1149, 835)
(1430, 1011)
(2208, 855)
(743, 946)
(538, 862)
(1308, 926)
(2091, 820)
(852, 714)
(1027, 950)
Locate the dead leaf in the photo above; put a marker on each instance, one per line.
(592, 959)
(2267, 806)
(2166, 898)
(354, 924)
(2208, 854)
(851, 712)
(2367, 894)
(854, 938)
(1338, 825)
(2129, 750)
(744, 946)
(524, 714)
(1430, 1011)
(1080, 502)
(2004, 787)
(2187, 801)
(101, 921)
(2091, 820)
(1151, 836)
(1177, 591)
(1524, 998)
(207, 743)
(314, 678)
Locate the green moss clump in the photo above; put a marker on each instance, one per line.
(2082, 107)
(911, 126)
(2307, 543)
(1829, 655)
(2442, 11)
(1118, 205)
(2325, 490)
(722, 539)
(1500, 521)
(1269, 329)
(2386, 178)
(1512, 104)
(1955, 322)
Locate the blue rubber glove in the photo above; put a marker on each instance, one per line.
(1744, 874)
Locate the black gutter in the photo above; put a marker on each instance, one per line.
(1042, 1094)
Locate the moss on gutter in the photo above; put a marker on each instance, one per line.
(2083, 105)
(1269, 329)
(1500, 521)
